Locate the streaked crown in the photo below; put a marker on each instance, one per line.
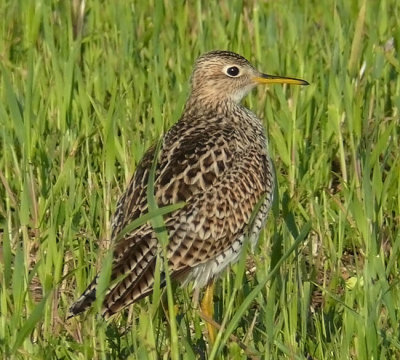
(222, 75)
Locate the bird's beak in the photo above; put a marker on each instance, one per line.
(271, 79)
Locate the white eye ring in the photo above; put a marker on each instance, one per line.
(232, 71)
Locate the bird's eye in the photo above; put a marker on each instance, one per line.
(232, 71)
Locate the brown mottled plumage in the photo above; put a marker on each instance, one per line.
(215, 158)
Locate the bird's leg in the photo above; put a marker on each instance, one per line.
(207, 308)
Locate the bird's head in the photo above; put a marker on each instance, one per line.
(224, 75)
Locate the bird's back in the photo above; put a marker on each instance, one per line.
(216, 161)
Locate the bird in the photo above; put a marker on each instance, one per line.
(215, 160)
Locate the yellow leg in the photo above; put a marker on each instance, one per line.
(207, 308)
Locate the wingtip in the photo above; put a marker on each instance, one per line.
(70, 315)
(82, 304)
(75, 309)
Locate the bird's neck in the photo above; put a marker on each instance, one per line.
(209, 104)
(225, 110)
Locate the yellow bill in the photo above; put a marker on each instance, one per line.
(272, 79)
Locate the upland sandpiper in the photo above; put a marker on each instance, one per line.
(215, 159)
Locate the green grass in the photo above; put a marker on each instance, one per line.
(81, 99)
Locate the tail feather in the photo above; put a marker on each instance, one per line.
(129, 290)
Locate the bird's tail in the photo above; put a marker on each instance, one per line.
(85, 301)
